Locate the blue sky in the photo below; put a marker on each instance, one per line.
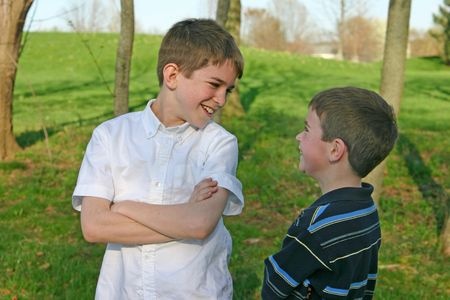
(157, 16)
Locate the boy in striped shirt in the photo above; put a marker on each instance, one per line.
(331, 249)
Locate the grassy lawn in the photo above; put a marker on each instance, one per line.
(62, 91)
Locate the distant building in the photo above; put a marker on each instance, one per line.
(325, 49)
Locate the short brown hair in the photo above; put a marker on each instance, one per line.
(362, 119)
(194, 43)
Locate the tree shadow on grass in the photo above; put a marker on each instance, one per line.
(31, 137)
(432, 192)
(249, 97)
(62, 86)
(245, 284)
(69, 85)
(264, 122)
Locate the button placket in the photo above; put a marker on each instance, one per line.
(166, 144)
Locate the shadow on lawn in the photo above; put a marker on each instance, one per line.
(65, 86)
(61, 87)
(432, 192)
(245, 284)
(31, 137)
(263, 123)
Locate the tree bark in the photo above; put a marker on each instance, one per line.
(393, 70)
(340, 29)
(223, 7)
(123, 59)
(233, 22)
(233, 25)
(12, 19)
(445, 235)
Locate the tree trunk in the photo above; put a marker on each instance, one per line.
(392, 74)
(223, 7)
(12, 19)
(340, 29)
(233, 21)
(123, 59)
(445, 235)
(446, 28)
(233, 25)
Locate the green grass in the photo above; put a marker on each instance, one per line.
(60, 90)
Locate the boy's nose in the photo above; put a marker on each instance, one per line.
(221, 98)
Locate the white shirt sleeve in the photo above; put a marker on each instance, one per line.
(221, 165)
(94, 178)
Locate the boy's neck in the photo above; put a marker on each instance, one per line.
(338, 174)
(164, 114)
(337, 182)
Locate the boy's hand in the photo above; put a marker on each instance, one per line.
(204, 190)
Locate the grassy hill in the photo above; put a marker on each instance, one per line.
(63, 92)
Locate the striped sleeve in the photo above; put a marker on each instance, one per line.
(300, 257)
(331, 248)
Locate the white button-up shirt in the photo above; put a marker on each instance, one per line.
(134, 157)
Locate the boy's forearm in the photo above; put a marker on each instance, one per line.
(101, 225)
(192, 220)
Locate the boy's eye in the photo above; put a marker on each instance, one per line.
(229, 91)
(214, 84)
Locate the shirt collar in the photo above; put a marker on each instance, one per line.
(345, 194)
(152, 124)
(150, 121)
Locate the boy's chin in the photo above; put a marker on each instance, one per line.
(302, 169)
(201, 125)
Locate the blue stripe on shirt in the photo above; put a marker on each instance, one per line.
(274, 288)
(350, 235)
(358, 285)
(291, 281)
(335, 291)
(342, 217)
(353, 286)
(318, 212)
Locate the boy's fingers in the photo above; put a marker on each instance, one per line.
(204, 190)
(204, 193)
(208, 182)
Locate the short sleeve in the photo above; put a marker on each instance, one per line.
(290, 268)
(94, 177)
(221, 165)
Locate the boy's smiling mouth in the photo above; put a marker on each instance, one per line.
(208, 109)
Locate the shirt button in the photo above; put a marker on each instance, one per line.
(157, 184)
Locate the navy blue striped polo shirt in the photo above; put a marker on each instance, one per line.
(330, 251)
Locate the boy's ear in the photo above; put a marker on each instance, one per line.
(170, 72)
(337, 150)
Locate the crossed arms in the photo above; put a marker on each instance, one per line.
(131, 222)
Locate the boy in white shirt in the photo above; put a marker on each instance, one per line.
(154, 184)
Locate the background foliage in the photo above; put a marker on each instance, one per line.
(61, 93)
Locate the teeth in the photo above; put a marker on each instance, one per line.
(208, 109)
